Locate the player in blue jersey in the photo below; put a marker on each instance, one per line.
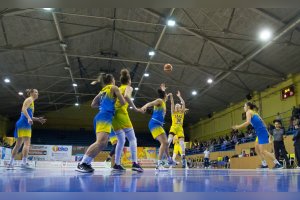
(156, 124)
(262, 133)
(105, 101)
(23, 128)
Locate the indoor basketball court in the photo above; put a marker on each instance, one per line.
(150, 99)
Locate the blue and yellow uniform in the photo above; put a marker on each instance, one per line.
(177, 123)
(177, 147)
(103, 120)
(121, 119)
(260, 129)
(23, 128)
(157, 120)
(113, 138)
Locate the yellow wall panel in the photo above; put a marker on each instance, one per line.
(271, 104)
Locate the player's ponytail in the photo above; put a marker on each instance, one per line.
(125, 76)
(29, 92)
(103, 79)
(251, 105)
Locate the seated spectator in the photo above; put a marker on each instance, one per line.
(243, 154)
(252, 152)
(296, 112)
(226, 137)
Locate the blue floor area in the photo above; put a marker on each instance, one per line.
(176, 180)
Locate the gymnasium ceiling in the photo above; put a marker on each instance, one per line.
(50, 50)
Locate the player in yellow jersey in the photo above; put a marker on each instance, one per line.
(23, 128)
(105, 101)
(177, 112)
(177, 149)
(122, 124)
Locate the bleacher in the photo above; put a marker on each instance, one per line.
(221, 147)
(286, 122)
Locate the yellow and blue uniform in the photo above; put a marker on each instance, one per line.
(156, 123)
(121, 119)
(23, 128)
(260, 129)
(103, 120)
(177, 147)
(113, 138)
(177, 123)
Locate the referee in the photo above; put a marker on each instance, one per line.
(279, 147)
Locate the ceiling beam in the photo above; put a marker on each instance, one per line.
(198, 67)
(155, 48)
(216, 43)
(55, 41)
(63, 47)
(12, 12)
(282, 32)
(273, 18)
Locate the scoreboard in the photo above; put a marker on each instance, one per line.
(287, 92)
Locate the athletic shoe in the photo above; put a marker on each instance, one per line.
(84, 168)
(171, 163)
(108, 159)
(160, 167)
(118, 168)
(10, 167)
(25, 166)
(137, 167)
(278, 166)
(263, 167)
(298, 167)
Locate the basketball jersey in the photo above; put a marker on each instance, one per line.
(30, 110)
(257, 122)
(175, 140)
(118, 105)
(107, 100)
(177, 118)
(159, 112)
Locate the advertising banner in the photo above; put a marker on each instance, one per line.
(146, 156)
(50, 153)
(61, 153)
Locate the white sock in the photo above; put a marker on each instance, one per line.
(11, 162)
(24, 160)
(170, 139)
(181, 143)
(276, 162)
(264, 163)
(174, 157)
(120, 145)
(129, 132)
(86, 159)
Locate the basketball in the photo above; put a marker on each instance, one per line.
(168, 67)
